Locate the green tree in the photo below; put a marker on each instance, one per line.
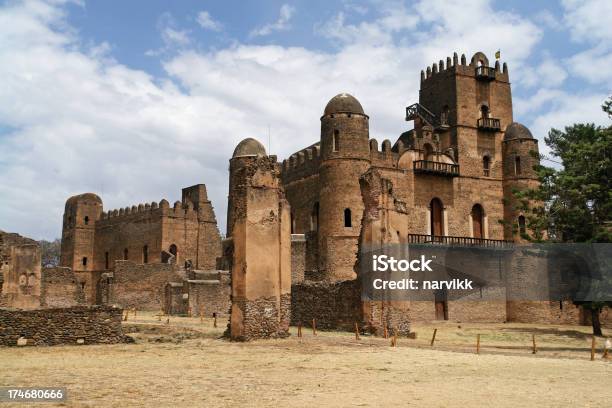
(574, 203)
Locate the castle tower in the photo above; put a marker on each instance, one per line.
(468, 105)
(80, 215)
(519, 151)
(345, 156)
(259, 225)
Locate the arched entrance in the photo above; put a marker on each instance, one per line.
(436, 217)
(477, 221)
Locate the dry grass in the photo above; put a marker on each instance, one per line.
(184, 364)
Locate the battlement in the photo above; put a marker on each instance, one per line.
(301, 164)
(384, 156)
(478, 68)
(149, 210)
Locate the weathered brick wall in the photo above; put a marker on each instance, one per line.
(334, 305)
(210, 294)
(49, 327)
(142, 285)
(60, 288)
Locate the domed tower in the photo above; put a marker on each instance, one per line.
(248, 148)
(519, 153)
(80, 216)
(345, 156)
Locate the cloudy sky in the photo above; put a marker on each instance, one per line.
(135, 100)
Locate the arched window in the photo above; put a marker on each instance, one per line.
(173, 250)
(477, 221)
(436, 217)
(484, 111)
(86, 220)
(335, 141)
(517, 165)
(314, 217)
(85, 262)
(444, 115)
(125, 254)
(486, 166)
(145, 254)
(106, 260)
(347, 218)
(521, 223)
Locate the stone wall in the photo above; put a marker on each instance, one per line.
(298, 257)
(334, 305)
(141, 285)
(20, 265)
(210, 293)
(73, 325)
(60, 288)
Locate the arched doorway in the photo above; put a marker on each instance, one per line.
(477, 221)
(436, 217)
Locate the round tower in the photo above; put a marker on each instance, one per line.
(246, 150)
(80, 215)
(520, 157)
(345, 156)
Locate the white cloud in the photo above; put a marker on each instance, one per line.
(206, 21)
(589, 20)
(282, 24)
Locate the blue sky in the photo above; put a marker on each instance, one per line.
(134, 100)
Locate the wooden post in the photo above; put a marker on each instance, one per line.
(394, 338)
(606, 350)
(299, 329)
(386, 333)
(314, 327)
(215, 320)
(535, 349)
(356, 331)
(478, 344)
(433, 338)
(593, 349)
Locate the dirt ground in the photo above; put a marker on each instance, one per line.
(185, 364)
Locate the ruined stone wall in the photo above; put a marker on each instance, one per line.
(298, 257)
(20, 265)
(210, 294)
(73, 325)
(141, 285)
(334, 305)
(60, 288)
(259, 224)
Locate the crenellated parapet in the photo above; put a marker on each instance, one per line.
(384, 156)
(478, 67)
(301, 164)
(144, 211)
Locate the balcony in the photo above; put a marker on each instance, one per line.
(489, 124)
(437, 168)
(458, 241)
(485, 73)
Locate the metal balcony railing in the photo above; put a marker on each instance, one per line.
(433, 167)
(485, 73)
(491, 124)
(458, 241)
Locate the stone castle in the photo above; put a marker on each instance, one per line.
(295, 229)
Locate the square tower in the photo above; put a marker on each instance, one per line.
(468, 106)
